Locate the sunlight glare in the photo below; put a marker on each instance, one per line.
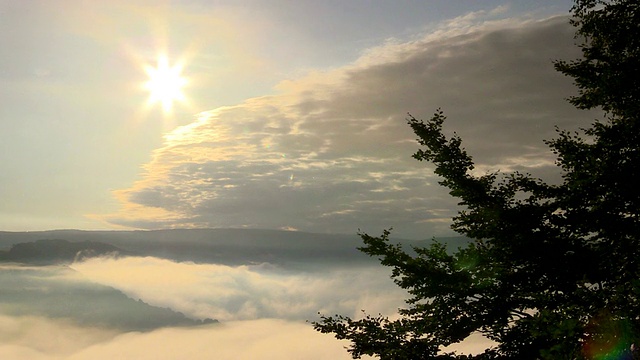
(165, 83)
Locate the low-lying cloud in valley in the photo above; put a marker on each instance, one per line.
(246, 292)
(35, 338)
(263, 309)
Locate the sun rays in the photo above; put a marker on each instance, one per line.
(165, 83)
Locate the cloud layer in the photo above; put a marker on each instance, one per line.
(331, 152)
(31, 338)
(263, 310)
(230, 293)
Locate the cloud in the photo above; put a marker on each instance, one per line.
(35, 338)
(230, 293)
(44, 339)
(264, 309)
(32, 337)
(331, 152)
(260, 339)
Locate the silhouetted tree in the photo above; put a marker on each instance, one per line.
(553, 271)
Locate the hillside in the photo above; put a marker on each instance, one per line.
(226, 246)
(59, 292)
(56, 251)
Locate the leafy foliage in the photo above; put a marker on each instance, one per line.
(554, 270)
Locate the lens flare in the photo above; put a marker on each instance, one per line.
(609, 339)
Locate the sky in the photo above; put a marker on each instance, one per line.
(273, 115)
(282, 114)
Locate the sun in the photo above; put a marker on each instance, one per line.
(165, 83)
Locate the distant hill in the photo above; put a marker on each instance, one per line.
(55, 251)
(227, 246)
